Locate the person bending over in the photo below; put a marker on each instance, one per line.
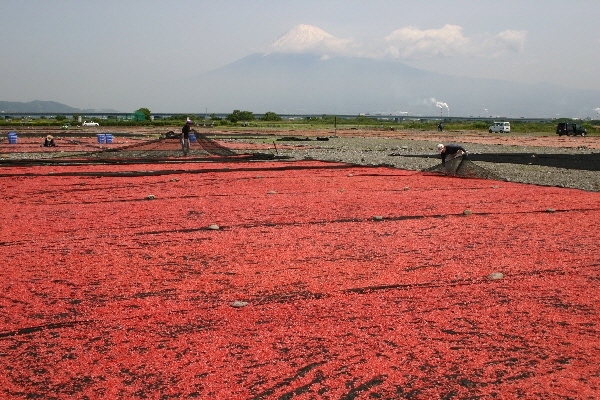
(450, 151)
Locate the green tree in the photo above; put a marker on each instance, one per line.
(238, 115)
(270, 116)
(146, 113)
(60, 117)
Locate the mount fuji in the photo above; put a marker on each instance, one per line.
(302, 37)
(309, 71)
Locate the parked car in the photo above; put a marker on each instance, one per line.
(565, 128)
(503, 127)
(90, 123)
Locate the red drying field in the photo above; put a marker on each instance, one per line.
(359, 282)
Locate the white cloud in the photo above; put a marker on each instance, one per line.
(513, 40)
(450, 41)
(509, 41)
(411, 42)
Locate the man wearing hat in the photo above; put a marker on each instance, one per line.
(450, 151)
(49, 142)
(185, 137)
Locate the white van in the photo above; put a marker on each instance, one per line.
(503, 127)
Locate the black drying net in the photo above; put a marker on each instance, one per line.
(463, 167)
(164, 147)
(202, 143)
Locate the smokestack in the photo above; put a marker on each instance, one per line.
(440, 104)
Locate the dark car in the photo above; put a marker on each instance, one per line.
(569, 129)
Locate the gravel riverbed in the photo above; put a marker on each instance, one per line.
(570, 166)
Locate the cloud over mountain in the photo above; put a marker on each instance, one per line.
(404, 44)
(450, 41)
(510, 40)
(410, 42)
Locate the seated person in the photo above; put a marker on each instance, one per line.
(49, 142)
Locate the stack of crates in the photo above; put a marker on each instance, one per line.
(12, 137)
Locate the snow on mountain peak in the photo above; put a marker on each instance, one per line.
(302, 38)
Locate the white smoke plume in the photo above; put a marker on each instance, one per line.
(440, 104)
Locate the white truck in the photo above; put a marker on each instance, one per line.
(503, 127)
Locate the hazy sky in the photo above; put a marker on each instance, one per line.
(98, 54)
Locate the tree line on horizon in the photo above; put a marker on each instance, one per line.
(143, 116)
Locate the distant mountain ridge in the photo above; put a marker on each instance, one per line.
(39, 106)
(309, 71)
(304, 83)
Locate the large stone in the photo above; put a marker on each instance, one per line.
(496, 276)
